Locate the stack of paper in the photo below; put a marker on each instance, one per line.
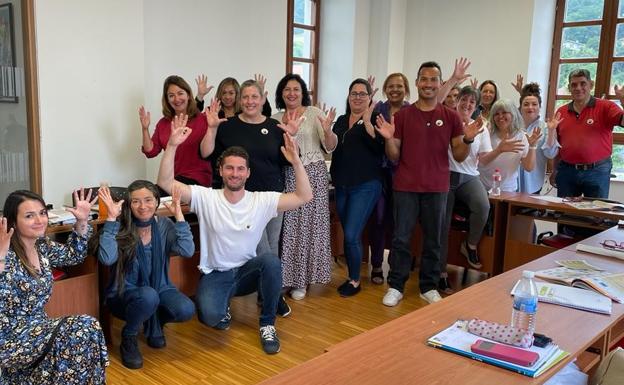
(571, 297)
(457, 340)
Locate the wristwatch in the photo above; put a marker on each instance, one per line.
(467, 141)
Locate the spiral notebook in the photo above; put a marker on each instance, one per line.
(581, 299)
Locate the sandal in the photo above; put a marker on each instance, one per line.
(377, 277)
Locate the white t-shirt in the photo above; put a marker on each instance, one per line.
(480, 145)
(507, 163)
(229, 233)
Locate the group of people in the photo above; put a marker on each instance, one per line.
(260, 188)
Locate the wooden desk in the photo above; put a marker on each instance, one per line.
(523, 209)
(396, 352)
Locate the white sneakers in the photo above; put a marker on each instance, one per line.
(392, 297)
(298, 294)
(431, 296)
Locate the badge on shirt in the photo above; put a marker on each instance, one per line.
(264, 131)
(590, 121)
(439, 122)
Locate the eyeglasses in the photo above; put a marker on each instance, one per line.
(572, 199)
(613, 245)
(358, 95)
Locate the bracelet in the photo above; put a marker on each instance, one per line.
(532, 147)
(467, 141)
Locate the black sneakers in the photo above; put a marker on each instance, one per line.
(348, 290)
(283, 310)
(268, 339)
(224, 324)
(130, 355)
(156, 342)
(471, 255)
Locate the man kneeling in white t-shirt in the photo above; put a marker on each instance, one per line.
(231, 222)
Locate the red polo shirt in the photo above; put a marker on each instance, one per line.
(425, 137)
(587, 137)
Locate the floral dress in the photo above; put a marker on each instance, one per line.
(76, 348)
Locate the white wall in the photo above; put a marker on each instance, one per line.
(99, 61)
(90, 69)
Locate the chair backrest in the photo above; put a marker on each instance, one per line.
(117, 193)
(611, 369)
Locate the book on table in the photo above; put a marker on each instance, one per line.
(571, 297)
(604, 282)
(456, 339)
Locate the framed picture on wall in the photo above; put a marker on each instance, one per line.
(8, 92)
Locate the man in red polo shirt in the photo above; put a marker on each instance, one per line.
(586, 137)
(418, 137)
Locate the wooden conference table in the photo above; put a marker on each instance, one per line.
(396, 352)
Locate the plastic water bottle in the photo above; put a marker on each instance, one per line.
(496, 183)
(523, 314)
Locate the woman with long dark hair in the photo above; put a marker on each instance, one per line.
(139, 245)
(34, 348)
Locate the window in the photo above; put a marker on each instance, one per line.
(589, 34)
(19, 132)
(302, 43)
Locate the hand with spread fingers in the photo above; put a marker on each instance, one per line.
(82, 210)
(473, 129)
(328, 121)
(113, 208)
(144, 118)
(519, 83)
(474, 83)
(385, 128)
(459, 72)
(510, 145)
(212, 114)
(202, 86)
(371, 81)
(5, 238)
(290, 149)
(534, 137)
(293, 123)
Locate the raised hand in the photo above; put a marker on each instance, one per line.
(510, 145)
(459, 72)
(292, 123)
(534, 137)
(179, 130)
(473, 129)
(368, 113)
(83, 204)
(202, 86)
(174, 206)
(519, 83)
(113, 208)
(385, 128)
(371, 81)
(474, 83)
(5, 238)
(212, 113)
(144, 118)
(552, 123)
(328, 120)
(261, 80)
(290, 149)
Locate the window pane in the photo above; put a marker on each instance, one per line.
(302, 43)
(561, 102)
(580, 42)
(621, 12)
(618, 48)
(304, 70)
(583, 10)
(618, 158)
(617, 76)
(303, 12)
(564, 70)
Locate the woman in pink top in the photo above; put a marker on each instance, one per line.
(177, 98)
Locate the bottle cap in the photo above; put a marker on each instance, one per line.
(496, 170)
(528, 274)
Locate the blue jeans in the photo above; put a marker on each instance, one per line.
(409, 208)
(354, 205)
(136, 306)
(592, 183)
(262, 273)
